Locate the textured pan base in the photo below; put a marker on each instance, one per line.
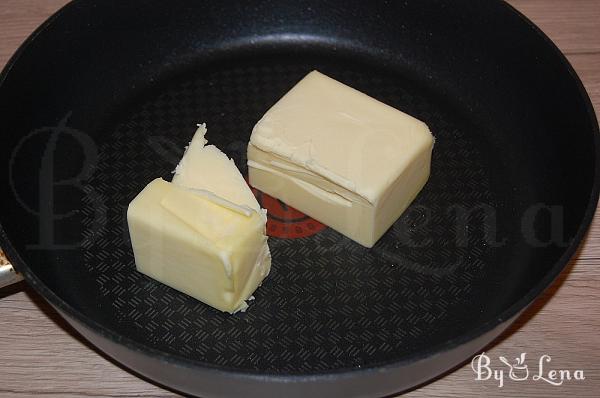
(328, 303)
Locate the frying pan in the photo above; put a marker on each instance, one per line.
(103, 97)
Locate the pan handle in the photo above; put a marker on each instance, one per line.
(8, 275)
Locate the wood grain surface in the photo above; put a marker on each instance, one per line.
(41, 355)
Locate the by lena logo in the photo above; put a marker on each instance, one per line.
(284, 221)
(519, 371)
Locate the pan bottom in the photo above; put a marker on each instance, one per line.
(329, 304)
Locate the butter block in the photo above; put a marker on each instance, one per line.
(340, 156)
(205, 167)
(204, 233)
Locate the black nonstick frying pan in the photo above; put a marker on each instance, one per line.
(104, 96)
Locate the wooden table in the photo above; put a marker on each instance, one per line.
(41, 355)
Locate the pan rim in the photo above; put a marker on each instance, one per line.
(506, 315)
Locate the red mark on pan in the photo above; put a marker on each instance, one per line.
(284, 221)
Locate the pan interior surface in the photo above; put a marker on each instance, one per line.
(468, 248)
